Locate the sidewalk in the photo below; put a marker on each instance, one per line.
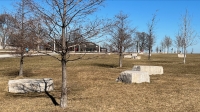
(6, 55)
(17, 55)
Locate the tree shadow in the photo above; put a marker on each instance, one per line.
(15, 73)
(105, 65)
(34, 89)
(50, 96)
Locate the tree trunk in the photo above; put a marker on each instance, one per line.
(184, 55)
(63, 100)
(21, 65)
(120, 55)
(54, 45)
(178, 50)
(120, 59)
(167, 50)
(182, 49)
(149, 57)
(38, 48)
(3, 43)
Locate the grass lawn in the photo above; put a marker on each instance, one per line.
(92, 86)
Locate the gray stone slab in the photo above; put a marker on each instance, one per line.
(128, 56)
(30, 85)
(152, 70)
(134, 54)
(181, 55)
(130, 76)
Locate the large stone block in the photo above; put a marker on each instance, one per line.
(128, 56)
(141, 53)
(30, 85)
(152, 70)
(181, 55)
(134, 54)
(130, 76)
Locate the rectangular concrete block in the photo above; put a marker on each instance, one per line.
(181, 55)
(134, 54)
(30, 85)
(128, 56)
(130, 76)
(152, 70)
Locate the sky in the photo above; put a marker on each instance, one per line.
(140, 12)
(168, 17)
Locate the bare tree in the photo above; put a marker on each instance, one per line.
(37, 33)
(168, 42)
(121, 34)
(141, 38)
(6, 26)
(188, 34)
(157, 49)
(179, 42)
(151, 35)
(62, 19)
(19, 36)
(162, 47)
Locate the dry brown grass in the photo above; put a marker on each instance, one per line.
(92, 86)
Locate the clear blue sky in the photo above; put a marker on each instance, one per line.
(168, 15)
(140, 13)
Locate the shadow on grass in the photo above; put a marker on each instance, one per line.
(33, 95)
(24, 95)
(33, 92)
(105, 65)
(52, 98)
(15, 73)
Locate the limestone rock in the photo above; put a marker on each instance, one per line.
(181, 55)
(30, 85)
(128, 56)
(134, 54)
(152, 70)
(130, 76)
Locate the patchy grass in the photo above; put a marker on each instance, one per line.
(92, 86)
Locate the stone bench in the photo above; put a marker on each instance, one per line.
(181, 55)
(30, 85)
(152, 70)
(128, 56)
(134, 54)
(130, 76)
